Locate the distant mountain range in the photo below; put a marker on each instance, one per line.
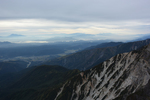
(143, 37)
(97, 54)
(103, 45)
(15, 35)
(1, 43)
(54, 38)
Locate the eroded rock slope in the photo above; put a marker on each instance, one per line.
(115, 79)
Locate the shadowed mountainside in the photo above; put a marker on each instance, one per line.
(89, 58)
(12, 66)
(35, 82)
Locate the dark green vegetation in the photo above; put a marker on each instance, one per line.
(68, 90)
(35, 83)
(12, 66)
(87, 59)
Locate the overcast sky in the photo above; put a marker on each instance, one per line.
(43, 17)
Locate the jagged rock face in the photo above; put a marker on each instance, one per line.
(114, 79)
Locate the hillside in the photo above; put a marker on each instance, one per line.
(89, 58)
(43, 76)
(103, 45)
(123, 77)
(39, 80)
(12, 66)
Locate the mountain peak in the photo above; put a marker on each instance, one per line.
(15, 35)
(114, 79)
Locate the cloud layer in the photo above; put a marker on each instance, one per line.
(76, 10)
(38, 17)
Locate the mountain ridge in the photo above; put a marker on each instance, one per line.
(114, 79)
(87, 59)
(34, 82)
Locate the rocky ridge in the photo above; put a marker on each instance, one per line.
(115, 79)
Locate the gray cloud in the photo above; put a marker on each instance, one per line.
(76, 10)
(120, 18)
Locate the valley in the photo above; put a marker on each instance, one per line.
(74, 50)
(101, 72)
(89, 58)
